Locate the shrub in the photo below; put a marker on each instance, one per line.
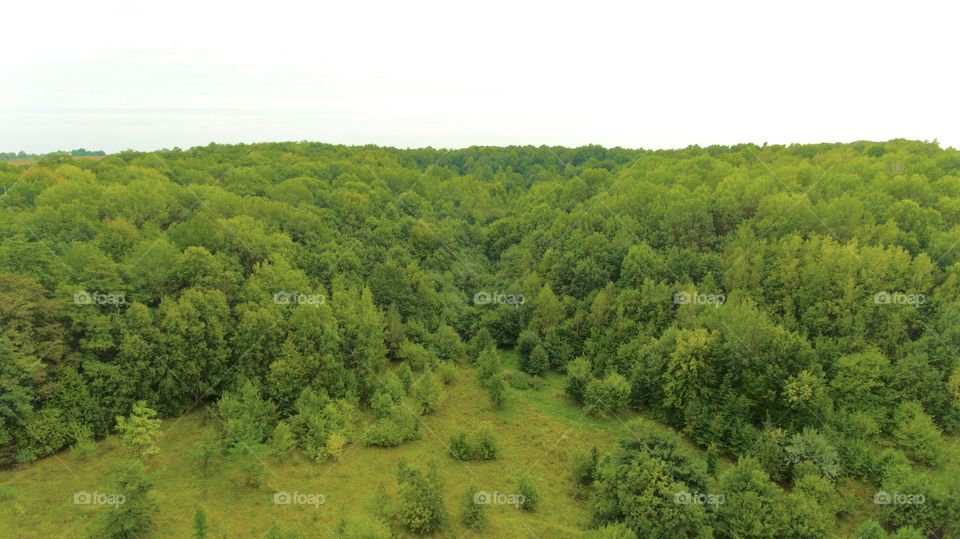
(526, 342)
(448, 373)
(529, 493)
(584, 466)
(579, 374)
(519, 380)
(459, 446)
(473, 513)
(496, 390)
(422, 509)
(486, 443)
(609, 394)
(398, 427)
(537, 362)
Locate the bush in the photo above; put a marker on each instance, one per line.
(416, 356)
(398, 427)
(481, 446)
(448, 373)
(459, 446)
(486, 443)
(496, 390)
(531, 497)
(422, 509)
(526, 342)
(607, 395)
(83, 444)
(537, 362)
(473, 515)
(579, 374)
(584, 466)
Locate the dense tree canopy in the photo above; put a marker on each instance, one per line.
(793, 307)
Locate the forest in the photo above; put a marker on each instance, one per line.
(292, 340)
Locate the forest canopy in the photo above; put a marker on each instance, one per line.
(792, 308)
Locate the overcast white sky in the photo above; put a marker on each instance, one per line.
(112, 75)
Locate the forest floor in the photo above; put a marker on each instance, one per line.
(538, 430)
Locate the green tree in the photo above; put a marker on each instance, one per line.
(140, 430)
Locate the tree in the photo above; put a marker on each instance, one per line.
(282, 441)
(248, 419)
(537, 362)
(422, 509)
(917, 434)
(134, 517)
(579, 374)
(428, 393)
(140, 430)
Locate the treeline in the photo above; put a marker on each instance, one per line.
(79, 152)
(780, 304)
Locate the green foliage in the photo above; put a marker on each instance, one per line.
(134, 517)
(537, 361)
(606, 396)
(448, 373)
(247, 418)
(528, 493)
(83, 443)
(917, 434)
(811, 446)
(283, 441)
(202, 455)
(422, 509)
(473, 514)
(140, 430)
(579, 374)
(496, 390)
(427, 393)
(481, 445)
(798, 313)
(399, 426)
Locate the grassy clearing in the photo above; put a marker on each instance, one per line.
(536, 436)
(538, 431)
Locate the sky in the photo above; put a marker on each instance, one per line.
(115, 75)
